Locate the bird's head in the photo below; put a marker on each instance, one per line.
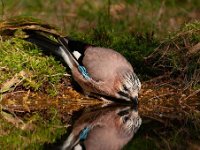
(129, 87)
(130, 120)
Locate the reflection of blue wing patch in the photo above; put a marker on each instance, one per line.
(84, 72)
(84, 133)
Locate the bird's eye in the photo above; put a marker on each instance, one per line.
(125, 88)
(123, 112)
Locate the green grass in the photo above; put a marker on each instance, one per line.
(130, 15)
(18, 55)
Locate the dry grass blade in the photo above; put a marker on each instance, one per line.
(11, 118)
(179, 54)
(194, 50)
(7, 86)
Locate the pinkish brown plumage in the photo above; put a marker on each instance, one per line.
(101, 72)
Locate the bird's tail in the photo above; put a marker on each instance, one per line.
(58, 47)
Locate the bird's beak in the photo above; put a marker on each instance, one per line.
(135, 101)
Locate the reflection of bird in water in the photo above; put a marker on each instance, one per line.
(99, 71)
(108, 128)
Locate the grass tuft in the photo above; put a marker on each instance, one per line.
(19, 55)
(179, 54)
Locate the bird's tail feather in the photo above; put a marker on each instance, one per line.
(59, 48)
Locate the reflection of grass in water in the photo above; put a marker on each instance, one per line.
(37, 130)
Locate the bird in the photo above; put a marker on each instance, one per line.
(101, 72)
(103, 128)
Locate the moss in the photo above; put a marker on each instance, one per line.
(18, 55)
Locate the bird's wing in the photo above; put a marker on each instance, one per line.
(75, 47)
(102, 64)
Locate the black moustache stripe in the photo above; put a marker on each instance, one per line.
(123, 94)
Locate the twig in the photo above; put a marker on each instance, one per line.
(153, 118)
(165, 141)
(15, 92)
(193, 50)
(165, 83)
(192, 94)
(58, 74)
(159, 77)
(176, 45)
(164, 53)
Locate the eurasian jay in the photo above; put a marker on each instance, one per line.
(109, 128)
(101, 72)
